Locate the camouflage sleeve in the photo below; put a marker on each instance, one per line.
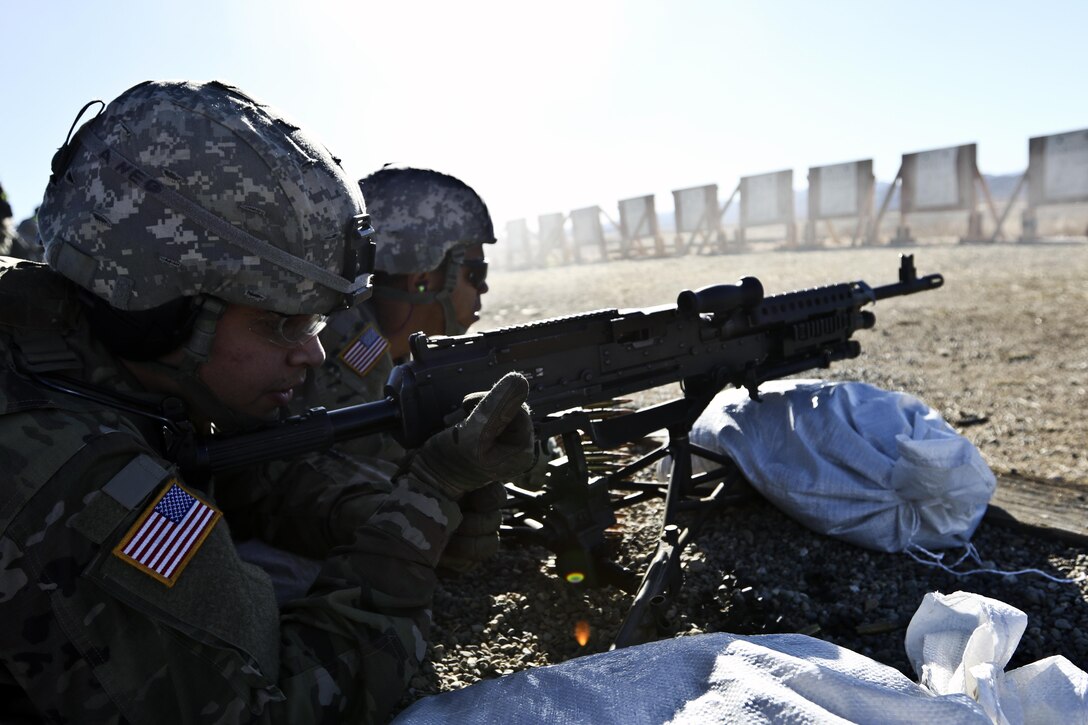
(308, 505)
(367, 615)
(99, 632)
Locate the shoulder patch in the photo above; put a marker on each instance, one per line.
(168, 534)
(361, 354)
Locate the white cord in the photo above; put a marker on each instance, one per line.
(969, 551)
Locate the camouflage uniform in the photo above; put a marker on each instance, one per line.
(95, 630)
(353, 334)
(88, 637)
(27, 245)
(423, 218)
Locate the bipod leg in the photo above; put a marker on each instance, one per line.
(663, 576)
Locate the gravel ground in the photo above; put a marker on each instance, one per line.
(1000, 351)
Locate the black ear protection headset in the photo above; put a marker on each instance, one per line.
(143, 335)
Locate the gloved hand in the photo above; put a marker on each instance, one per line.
(477, 537)
(494, 443)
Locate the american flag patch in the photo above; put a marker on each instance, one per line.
(364, 351)
(165, 538)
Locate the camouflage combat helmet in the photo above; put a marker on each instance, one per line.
(423, 218)
(420, 215)
(181, 189)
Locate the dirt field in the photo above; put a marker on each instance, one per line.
(1001, 350)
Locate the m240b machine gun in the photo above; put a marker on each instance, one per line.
(712, 338)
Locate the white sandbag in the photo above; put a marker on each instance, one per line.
(708, 678)
(958, 645)
(876, 468)
(961, 643)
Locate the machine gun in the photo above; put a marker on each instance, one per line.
(718, 336)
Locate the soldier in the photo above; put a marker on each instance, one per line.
(27, 231)
(21, 241)
(195, 242)
(7, 228)
(430, 275)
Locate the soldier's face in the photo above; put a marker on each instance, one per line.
(250, 373)
(466, 297)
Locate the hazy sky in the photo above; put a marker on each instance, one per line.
(551, 106)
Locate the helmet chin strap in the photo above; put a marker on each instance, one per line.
(443, 297)
(196, 352)
(453, 326)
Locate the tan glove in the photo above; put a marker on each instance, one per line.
(494, 443)
(477, 537)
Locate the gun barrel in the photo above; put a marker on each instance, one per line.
(358, 420)
(909, 282)
(315, 430)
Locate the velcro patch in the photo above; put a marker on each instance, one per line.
(168, 534)
(135, 481)
(364, 351)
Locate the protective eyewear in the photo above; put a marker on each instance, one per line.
(476, 272)
(287, 330)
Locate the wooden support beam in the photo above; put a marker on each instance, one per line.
(1052, 508)
(1015, 193)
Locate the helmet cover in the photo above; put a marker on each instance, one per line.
(178, 189)
(419, 215)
